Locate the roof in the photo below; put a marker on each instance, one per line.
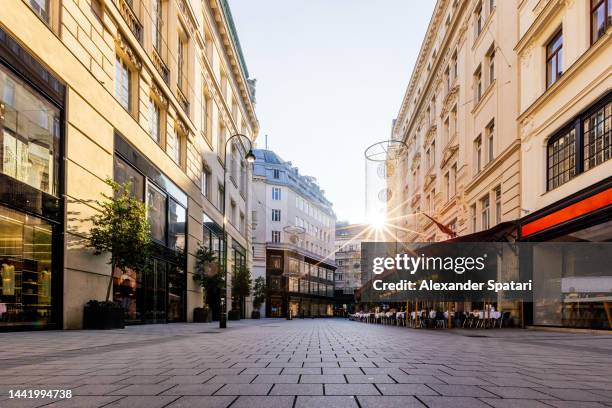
(267, 156)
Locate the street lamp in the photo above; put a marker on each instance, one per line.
(250, 158)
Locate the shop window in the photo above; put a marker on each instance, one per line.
(156, 209)
(29, 135)
(554, 59)
(177, 225)
(26, 275)
(124, 173)
(601, 18)
(561, 152)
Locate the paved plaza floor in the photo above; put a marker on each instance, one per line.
(307, 363)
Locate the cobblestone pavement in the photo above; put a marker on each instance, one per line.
(307, 363)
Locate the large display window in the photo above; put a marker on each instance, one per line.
(25, 269)
(157, 293)
(29, 134)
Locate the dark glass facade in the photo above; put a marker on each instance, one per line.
(157, 294)
(31, 210)
(574, 289)
(298, 284)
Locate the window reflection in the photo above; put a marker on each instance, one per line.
(156, 210)
(176, 225)
(29, 134)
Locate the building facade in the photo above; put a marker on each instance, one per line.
(507, 123)
(348, 261)
(293, 239)
(565, 118)
(140, 91)
(458, 120)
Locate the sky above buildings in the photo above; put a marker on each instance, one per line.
(331, 75)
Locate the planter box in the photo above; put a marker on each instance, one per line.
(201, 315)
(233, 314)
(255, 314)
(98, 316)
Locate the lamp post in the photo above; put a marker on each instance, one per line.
(250, 158)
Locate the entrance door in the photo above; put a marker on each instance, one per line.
(155, 293)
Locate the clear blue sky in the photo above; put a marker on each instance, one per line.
(331, 75)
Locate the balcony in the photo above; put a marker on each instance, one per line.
(161, 67)
(127, 10)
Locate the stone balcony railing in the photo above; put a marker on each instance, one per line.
(127, 10)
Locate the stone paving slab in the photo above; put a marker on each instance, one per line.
(308, 363)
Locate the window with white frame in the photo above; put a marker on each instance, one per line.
(276, 215)
(490, 133)
(498, 204)
(485, 212)
(123, 84)
(276, 193)
(477, 84)
(276, 236)
(478, 154)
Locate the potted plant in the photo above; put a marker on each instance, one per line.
(241, 286)
(206, 273)
(120, 229)
(259, 295)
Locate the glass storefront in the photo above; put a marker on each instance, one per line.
(25, 269)
(31, 211)
(156, 294)
(29, 134)
(574, 288)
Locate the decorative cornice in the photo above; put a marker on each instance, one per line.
(181, 127)
(448, 152)
(431, 134)
(157, 94)
(449, 100)
(416, 160)
(125, 48)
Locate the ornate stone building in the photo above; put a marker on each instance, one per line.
(146, 91)
(461, 165)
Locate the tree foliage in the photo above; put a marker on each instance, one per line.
(241, 282)
(259, 292)
(206, 270)
(121, 228)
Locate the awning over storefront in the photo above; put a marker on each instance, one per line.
(588, 207)
(502, 232)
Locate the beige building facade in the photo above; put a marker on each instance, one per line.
(565, 71)
(146, 91)
(565, 122)
(461, 161)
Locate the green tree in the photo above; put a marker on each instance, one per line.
(121, 228)
(259, 292)
(241, 283)
(206, 271)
